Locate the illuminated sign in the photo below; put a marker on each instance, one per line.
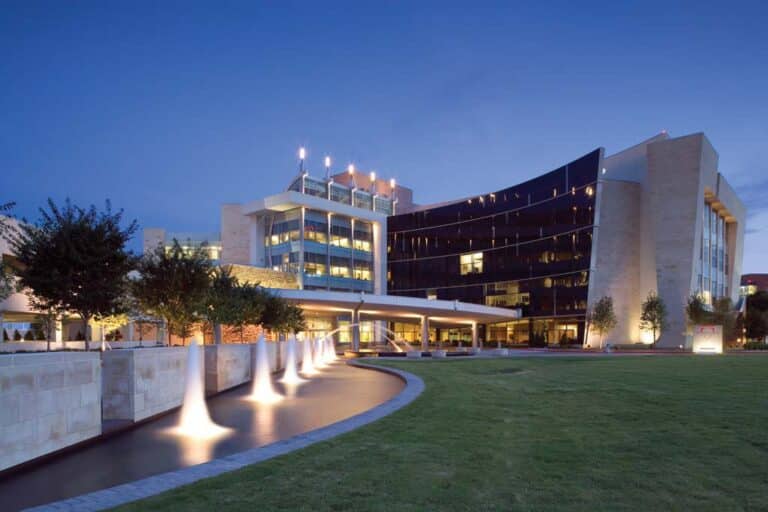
(708, 339)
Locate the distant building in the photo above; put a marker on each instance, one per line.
(753, 283)
(657, 217)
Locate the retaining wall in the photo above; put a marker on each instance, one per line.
(47, 402)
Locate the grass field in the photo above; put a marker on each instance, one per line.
(618, 433)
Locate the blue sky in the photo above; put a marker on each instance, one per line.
(172, 108)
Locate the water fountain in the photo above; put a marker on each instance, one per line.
(317, 354)
(307, 366)
(262, 390)
(291, 375)
(195, 420)
(393, 340)
(330, 350)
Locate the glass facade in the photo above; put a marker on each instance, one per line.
(339, 193)
(527, 247)
(330, 251)
(712, 265)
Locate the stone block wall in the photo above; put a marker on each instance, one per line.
(227, 366)
(140, 383)
(47, 402)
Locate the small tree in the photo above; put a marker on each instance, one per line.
(75, 259)
(173, 285)
(602, 318)
(281, 316)
(756, 325)
(7, 281)
(222, 304)
(251, 303)
(696, 311)
(653, 315)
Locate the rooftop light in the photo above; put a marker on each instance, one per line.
(351, 169)
(302, 153)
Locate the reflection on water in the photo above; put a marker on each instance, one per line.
(264, 421)
(156, 447)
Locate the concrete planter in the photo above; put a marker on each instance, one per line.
(501, 352)
(413, 354)
(440, 354)
(47, 402)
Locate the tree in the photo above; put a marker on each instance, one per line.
(7, 282)
(653, 315)
(173, 285)
(696, 310)
(723, 314)
(74, 259)
(251, 302)
(602, 318)
(280, 316)
(756, 324)
(222, 304)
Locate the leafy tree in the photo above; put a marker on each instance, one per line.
(723, 314)
(74, 259)
(7, 284)
(173, 285)
(757, 301)
(756, 324)
(222, 303)
(281, 316)
(696, 311)
(602, 317)
(653, 315)
(251, 302)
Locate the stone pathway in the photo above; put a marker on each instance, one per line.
(126, 493)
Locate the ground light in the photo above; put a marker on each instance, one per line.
(262, 390)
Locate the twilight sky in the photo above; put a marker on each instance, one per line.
(171, 108)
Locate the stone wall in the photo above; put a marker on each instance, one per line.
(140, 383)
(47, 402)
(227, 366)
(266, 277)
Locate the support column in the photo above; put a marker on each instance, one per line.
(356, 329)
(474, 335)
(2, 328)
(130, 334)
(424, 333)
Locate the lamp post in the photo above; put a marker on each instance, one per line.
(327, 167)
(302, 156)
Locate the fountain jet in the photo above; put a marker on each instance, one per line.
(195, 420)
(262, 390)
(318, 355)
(328, 350)
(291, 376)
(307, 366)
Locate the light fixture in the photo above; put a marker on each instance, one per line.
(351, 169)
(302, 153)
(392, 183)
(373, 176)
(328, 161)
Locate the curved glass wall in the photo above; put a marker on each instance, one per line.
(526, 246)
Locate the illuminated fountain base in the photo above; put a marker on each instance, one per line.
(263, 391)
(195, 421)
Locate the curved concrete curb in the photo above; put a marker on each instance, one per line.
(153, 485)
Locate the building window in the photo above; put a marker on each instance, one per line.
(471, 263)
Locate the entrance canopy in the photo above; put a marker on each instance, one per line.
(392, 307)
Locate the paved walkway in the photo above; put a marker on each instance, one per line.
(157, 484)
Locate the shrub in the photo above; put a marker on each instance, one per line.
(755, 345)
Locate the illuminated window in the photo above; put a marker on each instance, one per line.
(363, 245)
(471, 263)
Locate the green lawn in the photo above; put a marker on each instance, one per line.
(620, 433)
